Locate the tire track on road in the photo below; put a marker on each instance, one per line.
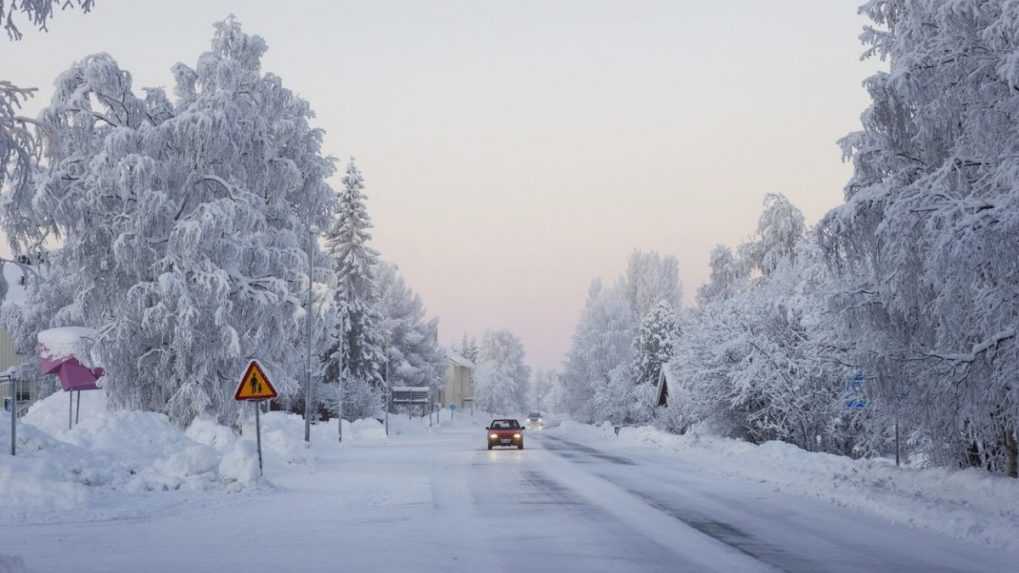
(723, 532)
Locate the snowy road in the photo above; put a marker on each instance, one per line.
(442, 502)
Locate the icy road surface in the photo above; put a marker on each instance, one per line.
(441, 502)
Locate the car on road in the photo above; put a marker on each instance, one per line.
(505, 432)
(534, 420)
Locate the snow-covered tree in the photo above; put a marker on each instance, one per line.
(602, 341)
(928, 237)
(357, 353)
(545, 391)
(729, 275)
(468, 348)
(182, 224)
(650, 279)
(760, 359)
(779, 230)
(652, 346)
(37, 12)
(412, 346)
(20, 148)
(599, 378)
(502, 377)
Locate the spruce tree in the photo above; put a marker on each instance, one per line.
(652, 347)
(356, 353)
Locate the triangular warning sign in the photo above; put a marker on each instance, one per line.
(254, 385)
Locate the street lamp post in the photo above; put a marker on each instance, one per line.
(339, 384)
(307, 322)
(389, 390)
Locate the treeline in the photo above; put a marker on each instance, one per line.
(893, 321)
(187, 230)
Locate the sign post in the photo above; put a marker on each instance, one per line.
(255, 387)
(14, 412)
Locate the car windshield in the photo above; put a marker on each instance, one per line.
(534, 415)
(505, 425)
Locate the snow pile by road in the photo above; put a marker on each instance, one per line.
(968, 504)
(111, 453)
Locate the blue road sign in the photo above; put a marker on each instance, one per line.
(854, 392)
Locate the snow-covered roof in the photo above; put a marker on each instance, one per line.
(13, 277)
(665, 378)
(411, 389)
(459, 360)
(67, 341)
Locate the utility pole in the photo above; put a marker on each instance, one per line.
(14, 414)
(339, 384)
(307, 322)
(389, 389)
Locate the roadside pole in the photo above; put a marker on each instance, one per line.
(389, 393)
(258, 433)
(339, 382)
(896, 439)
(77, 409)
(70, 409)
(255, 387)
(14, 414)
(307, 324)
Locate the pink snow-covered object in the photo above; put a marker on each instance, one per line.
(64, 352)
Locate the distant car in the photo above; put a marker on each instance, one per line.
(534, 420)
(505, 433)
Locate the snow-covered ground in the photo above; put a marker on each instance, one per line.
(130, 492)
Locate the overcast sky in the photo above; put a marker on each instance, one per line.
(515, 150)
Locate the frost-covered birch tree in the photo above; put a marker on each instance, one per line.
(182, 223)
(928, 237)
(652, 278)
(601, 343)
(412, 346)
(38, 13)
(20, 147)
(756, 360)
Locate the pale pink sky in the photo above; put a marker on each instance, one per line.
(515, 150)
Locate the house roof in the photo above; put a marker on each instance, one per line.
(459, 360)
(411, 389)
(665, 378)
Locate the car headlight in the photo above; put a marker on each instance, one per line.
(539, 420)
(493, 436)
(516, 436)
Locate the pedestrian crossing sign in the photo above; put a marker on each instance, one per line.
(254, 384)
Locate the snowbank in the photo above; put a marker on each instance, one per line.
(112, 453)
(12, 563)
(968, 504)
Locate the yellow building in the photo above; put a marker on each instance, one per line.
(12, 292)
(458, 390)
